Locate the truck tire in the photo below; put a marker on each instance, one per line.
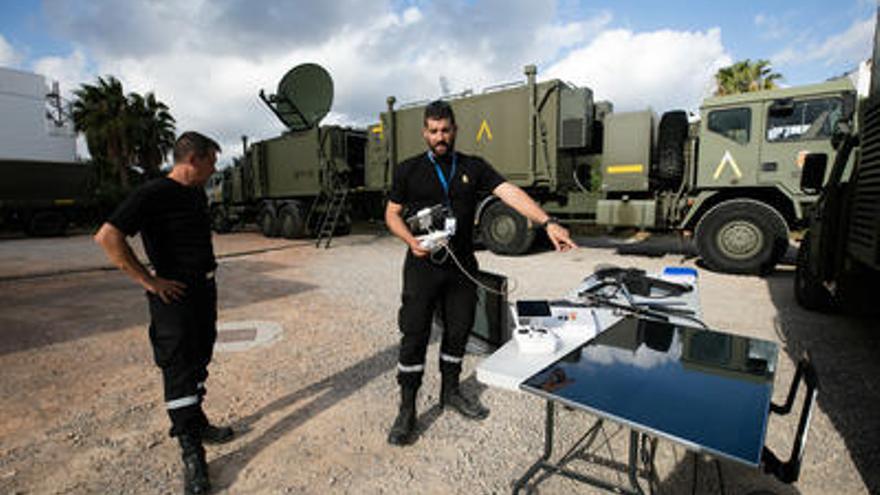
(742, 236)
(671, 137)
(504, 231)
(291, 222)
(46, 224)
(220, 220)
(268, 223)
(808, 290)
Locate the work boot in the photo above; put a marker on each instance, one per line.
(195, 467)
(216, 434)
(451, 396)
(403, 431)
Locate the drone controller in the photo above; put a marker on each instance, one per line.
(430, 220)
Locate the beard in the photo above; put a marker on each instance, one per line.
(443, 148)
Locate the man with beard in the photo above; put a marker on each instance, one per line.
(445, 177)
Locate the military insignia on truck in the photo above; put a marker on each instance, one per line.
(484, 128)
(727, 159)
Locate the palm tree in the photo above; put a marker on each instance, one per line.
(745, 76)
(122, 131)
(101, 113)
(153, 131)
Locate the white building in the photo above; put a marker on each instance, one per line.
(30, 125)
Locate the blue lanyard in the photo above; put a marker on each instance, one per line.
(443, 181)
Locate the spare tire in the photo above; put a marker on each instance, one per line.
(672, 135)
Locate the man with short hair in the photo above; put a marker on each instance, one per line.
(171, 214)
(445, 177)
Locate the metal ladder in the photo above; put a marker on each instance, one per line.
(334, 203)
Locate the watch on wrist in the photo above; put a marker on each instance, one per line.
(550, 220)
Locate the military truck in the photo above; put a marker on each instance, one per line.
(296, 184)
(730, 177)
(839, 257)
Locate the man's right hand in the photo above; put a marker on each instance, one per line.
(167, 290)
(417, 249)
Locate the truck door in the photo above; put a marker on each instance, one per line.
(728, 148)
(793, 129)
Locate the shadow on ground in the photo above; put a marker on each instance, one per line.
(846, 353)
(315, 398)
(46, 311)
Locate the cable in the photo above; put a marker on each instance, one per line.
(474, 280)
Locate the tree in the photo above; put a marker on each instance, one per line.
(745, 76)
(122, 131)
(153, 128)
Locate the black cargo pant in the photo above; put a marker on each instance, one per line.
(183, 334)
(426, 288)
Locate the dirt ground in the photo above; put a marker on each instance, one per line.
(81, 408)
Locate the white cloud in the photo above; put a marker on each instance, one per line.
(8, 56)
(208, 63)
(661, 69)
(69, 71)
(848, 47)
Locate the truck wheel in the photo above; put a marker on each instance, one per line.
(742, 236)
(268, 223)
(220, 221)
(808, 290)
(46, 224)
(291, 222)
(504, 231)
(671, 136)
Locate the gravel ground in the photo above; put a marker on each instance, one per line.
(81, 408)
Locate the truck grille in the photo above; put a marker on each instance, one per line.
(864, 234)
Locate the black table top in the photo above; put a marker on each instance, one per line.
(707, 390)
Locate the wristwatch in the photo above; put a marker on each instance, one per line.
(549, 221)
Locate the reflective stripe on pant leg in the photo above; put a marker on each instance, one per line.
(459, 304)
(421, 285)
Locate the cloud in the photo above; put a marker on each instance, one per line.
(8, 56)
(661, 69)
(846, 48)
(69, 71)
(209, 60)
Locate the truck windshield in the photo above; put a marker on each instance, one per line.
(810, 119)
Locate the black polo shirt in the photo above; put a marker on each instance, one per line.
(174, 224)
(416, 186)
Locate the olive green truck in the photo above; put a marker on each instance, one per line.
(729, 177)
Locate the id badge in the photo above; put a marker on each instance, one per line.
(450, 225)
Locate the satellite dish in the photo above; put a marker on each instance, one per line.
(304, 97)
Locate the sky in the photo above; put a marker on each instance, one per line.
(208, 60)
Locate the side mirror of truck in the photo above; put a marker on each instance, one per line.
(813, 173)
(782, 108)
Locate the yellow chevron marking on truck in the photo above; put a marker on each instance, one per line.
(636, 168)
(484, 127)
(727, 159)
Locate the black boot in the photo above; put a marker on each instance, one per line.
(403, 431)
(451, 396)
(195, 467)
(216, 434)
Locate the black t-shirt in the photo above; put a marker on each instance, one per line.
(416, 186)
(174, 223)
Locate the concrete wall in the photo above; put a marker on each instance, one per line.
(26, 133)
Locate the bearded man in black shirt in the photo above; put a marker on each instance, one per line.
(171, 215)
(445, 177)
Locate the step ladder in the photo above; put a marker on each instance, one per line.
(334, 203)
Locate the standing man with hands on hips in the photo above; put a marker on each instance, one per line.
(171, 214)
(445, 177)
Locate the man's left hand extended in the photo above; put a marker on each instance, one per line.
(560, 238)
